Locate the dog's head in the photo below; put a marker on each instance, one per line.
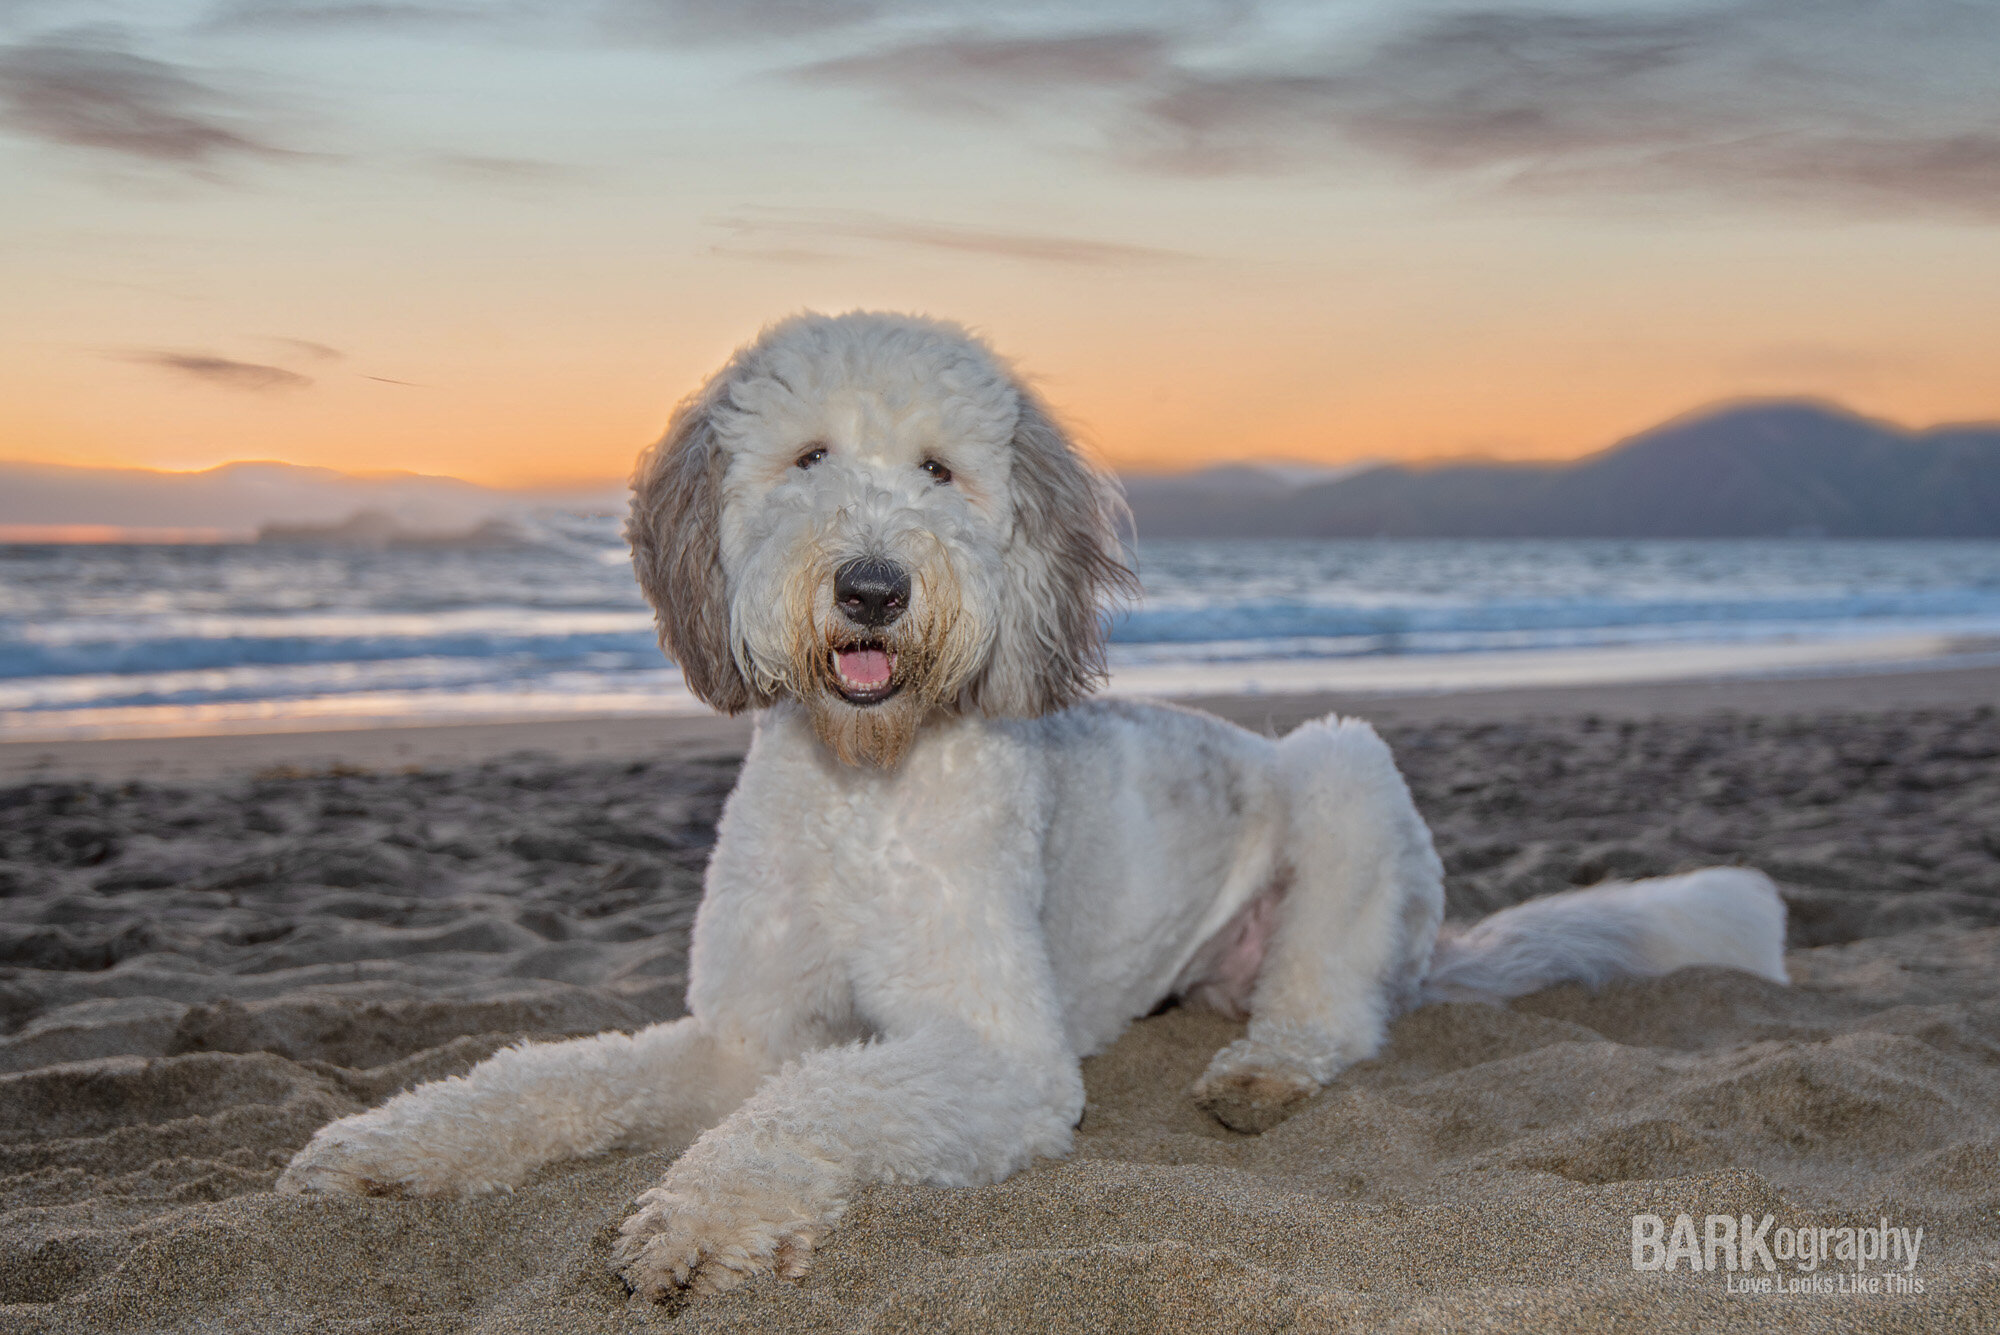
(871, 514)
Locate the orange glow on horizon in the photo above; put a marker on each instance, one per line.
(41, 534)
(550, 435)
(1399, 353)
(596, 454)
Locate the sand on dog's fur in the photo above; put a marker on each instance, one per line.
(198, 976)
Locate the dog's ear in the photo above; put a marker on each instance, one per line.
(675, 532)
(1063, 566)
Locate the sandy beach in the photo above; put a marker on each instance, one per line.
(211, 946)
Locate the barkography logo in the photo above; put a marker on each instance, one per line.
(1761, 1256)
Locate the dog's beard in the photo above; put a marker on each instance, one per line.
(930, 653)
(876, 734)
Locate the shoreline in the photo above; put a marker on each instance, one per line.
(679, 737)
(1360, 676)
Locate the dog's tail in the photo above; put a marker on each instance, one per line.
(1730, 916)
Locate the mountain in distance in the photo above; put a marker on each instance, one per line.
(236, 500)
(1228, 500)
(1772, 468)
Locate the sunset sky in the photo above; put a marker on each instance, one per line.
(499, 240)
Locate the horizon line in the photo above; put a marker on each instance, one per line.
(1345, 466)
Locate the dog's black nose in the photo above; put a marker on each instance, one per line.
(870, 592)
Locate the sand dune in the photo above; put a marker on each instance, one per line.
(199, 973)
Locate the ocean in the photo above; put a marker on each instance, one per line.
(117, 640)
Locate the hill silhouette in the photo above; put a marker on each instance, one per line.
(237, 499)
(1776, 468)
(1760, 469)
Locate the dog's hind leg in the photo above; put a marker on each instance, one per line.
(1362, 910)
(530, 1105)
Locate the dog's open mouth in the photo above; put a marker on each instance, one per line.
(865, 674)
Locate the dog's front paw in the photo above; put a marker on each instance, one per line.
(1248, 1087)
(368, 1155)
(681, 1241)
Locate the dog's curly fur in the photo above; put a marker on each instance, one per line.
(934, 892)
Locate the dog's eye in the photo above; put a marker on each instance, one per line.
(938, 472)
(812, 456)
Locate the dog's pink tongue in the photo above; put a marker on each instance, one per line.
(865, 667)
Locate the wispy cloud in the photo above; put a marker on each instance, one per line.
(221, 371)
(738, 20)
(87, 92)
(295, 15)
(1890, 101)
(855, 225)
(1895, 99)
(481, 167)
(971, 70)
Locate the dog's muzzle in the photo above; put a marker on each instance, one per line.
(871, 595)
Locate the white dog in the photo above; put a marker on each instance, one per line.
(941, 880)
